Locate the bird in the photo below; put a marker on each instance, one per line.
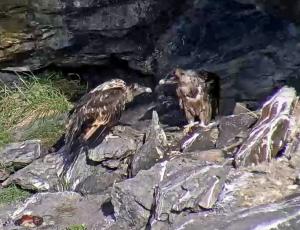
(99, 110)
(198, 95)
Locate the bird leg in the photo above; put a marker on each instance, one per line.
(188, 128)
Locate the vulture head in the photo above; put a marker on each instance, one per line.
(136, 89)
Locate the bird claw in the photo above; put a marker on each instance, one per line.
(189, 127)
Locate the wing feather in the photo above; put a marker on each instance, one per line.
(96, 111)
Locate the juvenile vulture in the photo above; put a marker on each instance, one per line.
(99, 110)
(198, 94)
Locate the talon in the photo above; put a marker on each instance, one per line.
(189, 127)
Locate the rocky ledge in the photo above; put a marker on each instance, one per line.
(242, 172)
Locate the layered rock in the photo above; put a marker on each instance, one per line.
(37, 33)
(271, 133)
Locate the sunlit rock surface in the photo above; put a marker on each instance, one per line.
(63, 209)
(281, 215)
(19, 155)
(271, 132)
(41, 175)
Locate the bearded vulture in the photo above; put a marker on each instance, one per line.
(99, 110)
(198, 94)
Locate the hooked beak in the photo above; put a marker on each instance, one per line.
(143, 89)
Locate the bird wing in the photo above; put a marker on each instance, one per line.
(96, 111)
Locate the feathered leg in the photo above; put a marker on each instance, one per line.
(191, 122)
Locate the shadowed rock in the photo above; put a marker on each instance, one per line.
(91, 179)
(271, 132)
(200, 139)
(78, 33)
(234, 129)
(152, 150)
(132, 199)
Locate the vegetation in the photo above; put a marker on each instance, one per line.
(77, 227)
(36, 107)
(12, 194)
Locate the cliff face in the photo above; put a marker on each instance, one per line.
(81, 32)
(252, 45)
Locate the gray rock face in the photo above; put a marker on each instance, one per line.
(112, 148)
(167, 189)
(133, 198)
(63, 209)
(152, 150)
(62, 32)
(235, 127)
(200, 140)
(91, 179)
(271, 132)
(187, 185)
(41, 175)
(280, 215)
(19, 155)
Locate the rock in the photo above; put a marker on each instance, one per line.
(91, 179)
(9, 80)
(168, 105)
(234, 129)
(249, 67)
(18, 155)
(271, 132)
(41, 175)
(280, 215)
(187, 185)
(240, 108)
(286, 9)
(152, 150)
(112, 148)
(166, 190)
(132, 199)
(4, 174)
(60, 32)
(200, 139)
(212, 155)
(261, 184)
(63, 209)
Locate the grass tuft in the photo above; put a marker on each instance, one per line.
(12, 194)
(39, 99)
(77, 227)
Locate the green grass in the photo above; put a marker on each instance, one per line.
(40, 99)
(12, 194)
(77, 227)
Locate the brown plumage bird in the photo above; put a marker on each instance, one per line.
(99, 110)
(198, 94)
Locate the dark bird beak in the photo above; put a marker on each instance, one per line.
(169, 79)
